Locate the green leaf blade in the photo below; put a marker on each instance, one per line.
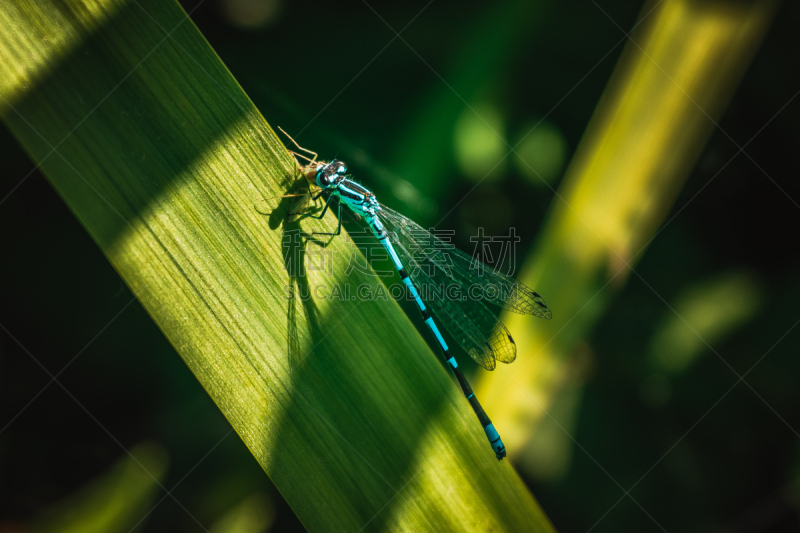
(163, 158)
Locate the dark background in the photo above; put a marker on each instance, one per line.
(736, 470)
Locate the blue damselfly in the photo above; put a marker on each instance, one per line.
(472, 323)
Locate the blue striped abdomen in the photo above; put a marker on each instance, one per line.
(380, 233)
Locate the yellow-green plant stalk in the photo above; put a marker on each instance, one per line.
(676, 75)
(164, 160)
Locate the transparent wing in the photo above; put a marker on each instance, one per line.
(471, 324)
(457, 292)
(496, 288)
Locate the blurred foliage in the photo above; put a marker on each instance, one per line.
(478, 145)
(698, 465)
(678, 70)
(541, 153)
(114, 502)
(706, 313)
(253, 515)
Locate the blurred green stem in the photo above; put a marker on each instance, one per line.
(673, 81)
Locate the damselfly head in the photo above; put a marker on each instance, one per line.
(331, 174)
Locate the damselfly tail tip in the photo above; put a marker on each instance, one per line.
(495, 441)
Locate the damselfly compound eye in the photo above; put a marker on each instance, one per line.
(323, 178)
